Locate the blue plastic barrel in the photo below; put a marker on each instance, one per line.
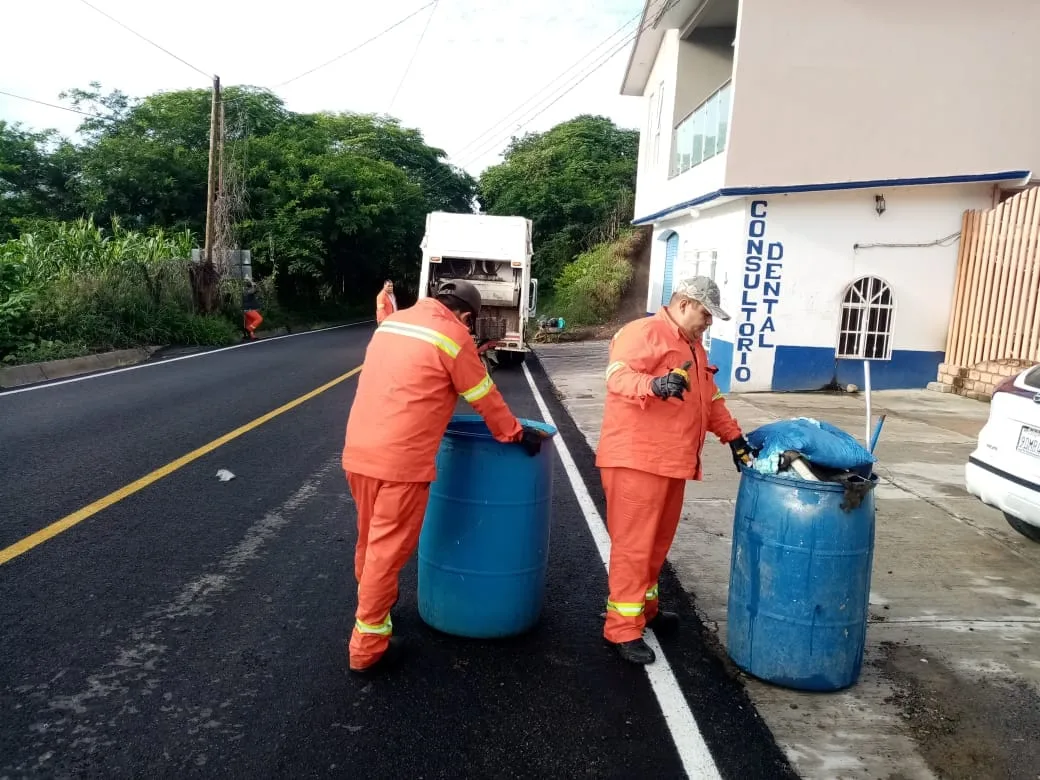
(799, 587)
(484, 545)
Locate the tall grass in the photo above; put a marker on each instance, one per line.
(589, 290)
(72, 288)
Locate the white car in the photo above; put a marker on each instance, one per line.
(1004, 470)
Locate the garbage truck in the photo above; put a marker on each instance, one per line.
(493, 253)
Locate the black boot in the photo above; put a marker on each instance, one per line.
(664, 624)
(636, 652)
(390, 658)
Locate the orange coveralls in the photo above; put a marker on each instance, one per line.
(417, 364)
(385, 306)
(648, 449)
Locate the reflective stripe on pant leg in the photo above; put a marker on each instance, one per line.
(631, 609)
(650, 610)
(383, 628)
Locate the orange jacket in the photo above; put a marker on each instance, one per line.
(641, 431)
(417, 364)
(385, 306)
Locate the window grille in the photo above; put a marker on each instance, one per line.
(867, 312)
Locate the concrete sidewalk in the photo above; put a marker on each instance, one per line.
(951, 680)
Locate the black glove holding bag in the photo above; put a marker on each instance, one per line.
(743, 454)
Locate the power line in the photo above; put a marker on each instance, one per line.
(418, 46)
(356, 48)
(146, 40)
(55, 105)
(508, 117)
(497, 137)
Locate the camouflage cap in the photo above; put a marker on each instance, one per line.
(703, 290)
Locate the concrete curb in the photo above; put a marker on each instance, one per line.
(32, 373)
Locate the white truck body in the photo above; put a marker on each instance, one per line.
(494, 254)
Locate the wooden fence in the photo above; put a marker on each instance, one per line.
(996, 311)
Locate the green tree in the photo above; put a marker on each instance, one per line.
(35, 169)
(569, 181)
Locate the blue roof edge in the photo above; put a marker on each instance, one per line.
(730, 192)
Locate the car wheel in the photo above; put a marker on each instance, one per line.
(1027, 530)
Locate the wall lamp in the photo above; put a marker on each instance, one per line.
(879, 204)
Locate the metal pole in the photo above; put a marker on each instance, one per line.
(866, 389)
(214, 166)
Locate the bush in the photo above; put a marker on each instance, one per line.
(69, 289)
(589, 290)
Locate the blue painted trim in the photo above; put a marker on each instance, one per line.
(721, 355)
(740, 192)
(797, 368)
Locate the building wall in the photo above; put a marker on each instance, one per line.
(690, 72)
(652, 174)
(785, 262)
(845, 90)
(705, 63)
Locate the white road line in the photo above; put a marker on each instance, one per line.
(207, 353)
(693, 751)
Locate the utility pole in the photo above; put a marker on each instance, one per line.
(214, 169)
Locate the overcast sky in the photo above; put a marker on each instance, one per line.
(480, 61)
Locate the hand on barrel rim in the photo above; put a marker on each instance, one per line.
(531, 440)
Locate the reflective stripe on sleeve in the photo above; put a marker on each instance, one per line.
(624, 609)
(479, 391)
(717, 396)
(613, 367)
(651, 595)
(429, 335)
(383, 628)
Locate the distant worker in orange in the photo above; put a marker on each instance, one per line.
(661, 403)
(251, 317)
(417, 364)
(386, 303)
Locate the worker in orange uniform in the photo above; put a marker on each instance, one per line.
(386, 303)
(661, 402)
(251, 317)
(417, 364)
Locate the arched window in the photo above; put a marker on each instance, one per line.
(671, 251)
(867, 310)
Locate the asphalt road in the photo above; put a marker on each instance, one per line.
(195, 628)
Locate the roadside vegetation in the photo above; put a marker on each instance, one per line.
(97, 233)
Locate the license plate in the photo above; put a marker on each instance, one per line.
(1029, 441)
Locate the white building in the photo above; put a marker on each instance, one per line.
(816, 158)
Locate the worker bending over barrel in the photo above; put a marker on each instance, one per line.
(661, 402)
(418, 363)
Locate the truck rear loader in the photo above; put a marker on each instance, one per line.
(494, 254)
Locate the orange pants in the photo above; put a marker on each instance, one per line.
(251, 320)
(390, 516)
(643, 512)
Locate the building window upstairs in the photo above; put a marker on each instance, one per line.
(867, 310)
(703, 134)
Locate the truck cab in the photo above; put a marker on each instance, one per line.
(493, 253)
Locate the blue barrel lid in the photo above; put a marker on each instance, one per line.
(473, 425)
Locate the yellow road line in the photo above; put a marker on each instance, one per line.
(67, 522)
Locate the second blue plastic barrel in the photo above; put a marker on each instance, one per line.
(484, 546)
(799, 588)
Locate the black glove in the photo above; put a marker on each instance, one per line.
(743, 455)
(673, 384)
(531, 441)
